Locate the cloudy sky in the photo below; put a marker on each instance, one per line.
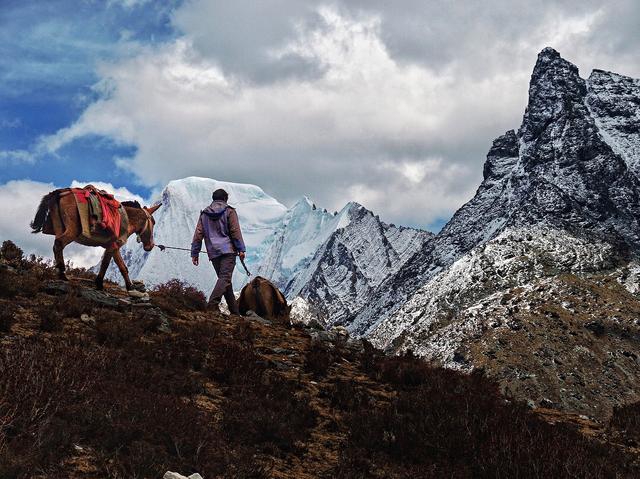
(392, 104)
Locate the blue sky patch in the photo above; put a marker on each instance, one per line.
(48, 57)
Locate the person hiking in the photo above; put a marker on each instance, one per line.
(218, 225)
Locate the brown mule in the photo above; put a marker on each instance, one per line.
(62, 204)
(261, 296)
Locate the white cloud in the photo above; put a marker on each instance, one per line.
(120, 193)
(20, 200)
(367, 122)
(317, 137)
(16, 156)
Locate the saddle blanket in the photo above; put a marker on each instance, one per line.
(103, 218)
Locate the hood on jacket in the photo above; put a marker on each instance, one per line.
(216, 209)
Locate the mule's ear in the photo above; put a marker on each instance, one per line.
(153, 209)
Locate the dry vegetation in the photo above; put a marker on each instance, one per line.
(92, 391)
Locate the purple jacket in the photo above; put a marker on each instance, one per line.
(219, 227)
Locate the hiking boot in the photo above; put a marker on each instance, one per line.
(214, 307)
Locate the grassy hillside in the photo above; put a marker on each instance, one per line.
(95, 386)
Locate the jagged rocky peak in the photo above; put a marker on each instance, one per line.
(555, 83)
(569, 166)
(570, 175)
(502, 157)
(310, 238)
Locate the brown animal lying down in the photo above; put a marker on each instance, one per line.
(262, 297)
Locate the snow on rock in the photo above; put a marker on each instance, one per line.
(300, 233)
(335, 260)
(614, 102)
(442, 314)
(302, 312)
(630, 277)
(182, 200)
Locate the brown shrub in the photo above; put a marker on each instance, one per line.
(627, 420)
(37, 382)
(402, 371)
(18, 284)
(124, 407)
(232, 362)
(72, 305)
(242, 331)
(39, 268)
(28, 285)
(319, 359)
(8, 284)
(142, 433)
(347, 395)
(272, 417)
(176, 295)
(50, 320)
(187, 348)
(7, 317)
(10, 252)
(115, 329)
(459, 426)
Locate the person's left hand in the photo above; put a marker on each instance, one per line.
(242, 255)
(194, 260)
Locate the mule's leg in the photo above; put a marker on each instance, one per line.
(58, 246)
(70, 220)
(106, 259)
(59, 258)
(117, 257)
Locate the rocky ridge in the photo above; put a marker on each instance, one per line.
(535, 280)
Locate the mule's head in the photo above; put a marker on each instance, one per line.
(145, 234)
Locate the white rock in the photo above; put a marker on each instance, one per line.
(138, 295)
(175, 475)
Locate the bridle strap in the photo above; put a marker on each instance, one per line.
(146, 224)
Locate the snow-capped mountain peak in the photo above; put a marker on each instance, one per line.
(182, 202)
(303, 229)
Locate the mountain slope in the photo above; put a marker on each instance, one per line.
(614, 103)
(535, 280)
(551, 315)
(302, 230)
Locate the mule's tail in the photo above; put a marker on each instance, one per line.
(42, 213)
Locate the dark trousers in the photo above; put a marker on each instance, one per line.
(224, 266)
